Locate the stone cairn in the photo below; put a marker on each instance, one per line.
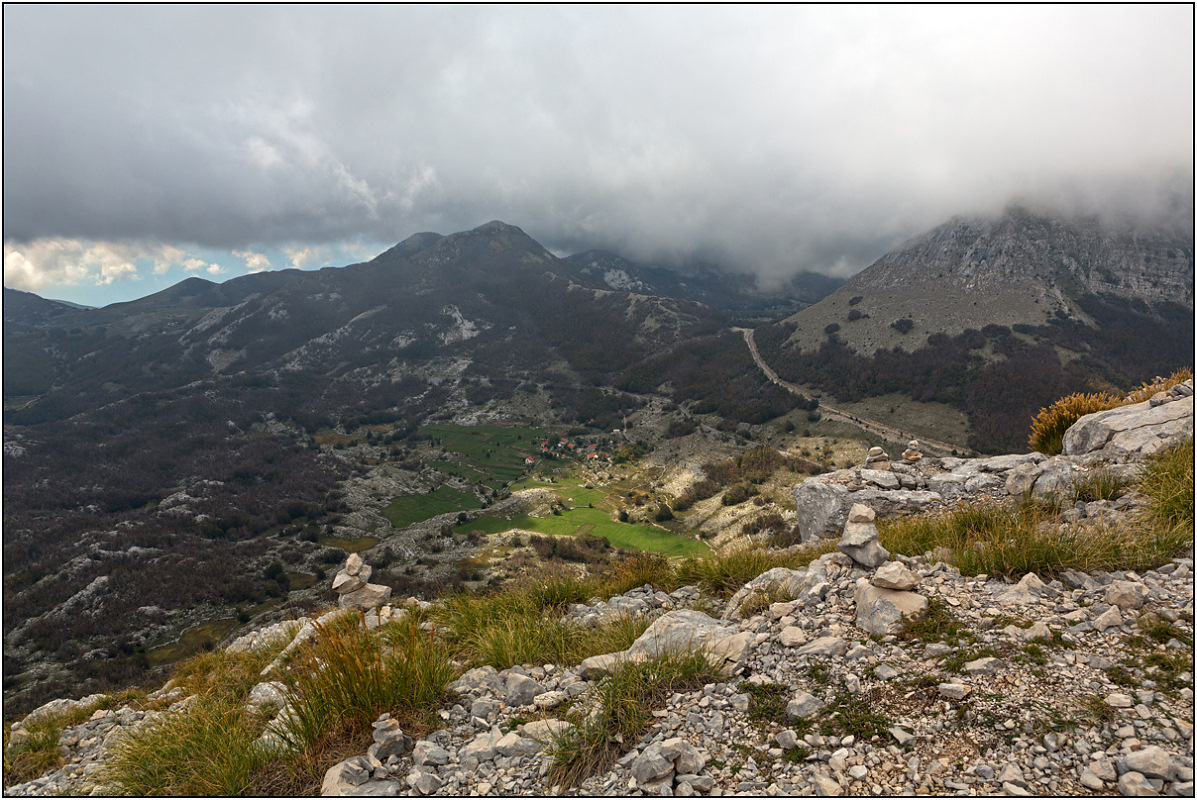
(877, 459)
(885, 598)
(913, 452)
(353, 590)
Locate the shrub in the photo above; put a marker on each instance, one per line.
(738, 494)
(1047, 429)
(902, 325)
(664, 513)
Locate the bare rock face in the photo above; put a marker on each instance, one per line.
(1132, 431)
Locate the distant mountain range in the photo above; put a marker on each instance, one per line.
(999, 317)
(1019, 268)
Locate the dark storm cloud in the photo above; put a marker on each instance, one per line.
(767, 138)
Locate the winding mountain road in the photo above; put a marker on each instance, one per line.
(929, 446)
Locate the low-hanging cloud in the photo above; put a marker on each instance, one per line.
(771, 139)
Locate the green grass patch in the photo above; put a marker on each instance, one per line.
(349, 545)
(620, 534)
(410, 509)
(193, 640)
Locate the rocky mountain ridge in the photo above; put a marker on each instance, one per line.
(1022, 268)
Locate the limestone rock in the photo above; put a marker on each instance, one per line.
(895, 575)
(859, 542)
(804, 705)
(1136, 430)
(371, 595)
(686, 630)
(1126, 595)
(879, 611)
(522, 690)
(340, 780)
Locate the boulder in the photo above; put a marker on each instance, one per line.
(822, 504)
(1132, 431)
(371, 595)
(687, 630)
(879, 611)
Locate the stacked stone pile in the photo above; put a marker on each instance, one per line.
(351, 584)
(877, 459)
(913, 452)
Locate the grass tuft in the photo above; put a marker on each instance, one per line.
(625, 702)
(349, 678)
(1167, 485)
(1012, 542)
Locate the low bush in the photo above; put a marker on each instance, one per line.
(1048, 427)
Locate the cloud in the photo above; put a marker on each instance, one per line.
(68, 262)
(307, 257)
(767, 138)
(254, 262)
(48, 262)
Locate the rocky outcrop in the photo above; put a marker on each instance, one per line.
(1113, 441)
(1132, 432)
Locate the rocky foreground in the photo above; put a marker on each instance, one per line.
(1045, 690)
(864, 673)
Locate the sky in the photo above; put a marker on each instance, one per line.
(147, 144)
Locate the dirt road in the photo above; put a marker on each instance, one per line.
(929, 446)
